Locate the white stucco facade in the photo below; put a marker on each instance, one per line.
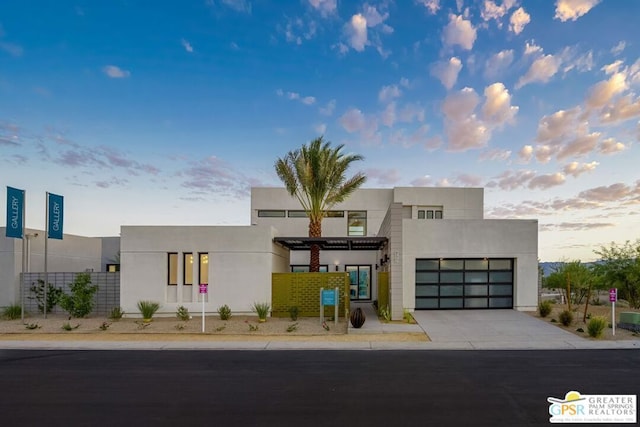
(239, 263)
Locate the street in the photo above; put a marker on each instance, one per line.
(303, 388)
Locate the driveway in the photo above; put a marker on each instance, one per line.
(494, 329)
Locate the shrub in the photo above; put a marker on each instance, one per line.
(148, 309)
(224, 312)
(80, 302)
(293, 312)
(53, 295)
(262, 308)
(116, 313)
(544, 308)
(183, 313)
(384, 313)
(596, 326)
(12, 312)
(67, 326)
(566, 317)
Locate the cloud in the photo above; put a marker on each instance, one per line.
(497, 108)
(497, 63)
(617, 192)
(12, 48)
(242, 6)
(417, 137)
(423, 181)
(411, 112)
(558, 125)
(572, 60)
(295, 96)
(541, 70)
(447, 71)
(214, 175)
(325, 7)
(328, 109)
(372, 16)
(611, 146)
(298, 29)
(532, 48)
(526, 153)
(387, 93)
(575, 226)
(431, 5)
(602, 92)
(573, 9)
(490, 10)
(624, 108)
(580, 146)
(115, 72)
(353, 120)
(617, 49)
(511, 180)
(612, 68)
(383, 176)
(468, 180)
(186, 45)
(459, 31)
(388, 115)
(357, 32)
(320, 128)
(544, 182)
(495, 154)
(576, 169)
(519, 19)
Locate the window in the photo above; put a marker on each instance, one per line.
(431, 212)
(203, 268)
(303, 214)
(187, 273)
(357, 223)
(112, 268)
(334, 214)
(271, 213)
(172, 269)
(297, 214)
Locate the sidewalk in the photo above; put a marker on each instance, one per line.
(435, 330)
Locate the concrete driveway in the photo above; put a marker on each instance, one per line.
(494, 329)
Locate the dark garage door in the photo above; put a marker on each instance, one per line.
(464, 283)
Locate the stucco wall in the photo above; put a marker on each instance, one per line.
(72, 253)
(241, 260)
(457, 203)
(475, 239)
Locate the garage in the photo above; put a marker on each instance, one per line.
(464, 283)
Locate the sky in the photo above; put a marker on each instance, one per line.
(167, 113)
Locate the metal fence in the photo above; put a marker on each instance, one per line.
(107, 297)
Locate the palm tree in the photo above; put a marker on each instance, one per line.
(315, 175)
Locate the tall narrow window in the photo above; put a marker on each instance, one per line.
(187, 275)
(203, 269)
(172, 269)
(357, 223)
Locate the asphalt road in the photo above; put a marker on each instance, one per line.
(301, 388)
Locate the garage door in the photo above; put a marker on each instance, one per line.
(455, 283)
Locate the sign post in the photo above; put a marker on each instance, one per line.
(16, 208)
(203, 293)
(329, 297)
(613, 297)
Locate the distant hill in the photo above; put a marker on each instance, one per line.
(548, 267)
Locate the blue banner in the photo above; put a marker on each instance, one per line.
(56, 216)
(15, 212)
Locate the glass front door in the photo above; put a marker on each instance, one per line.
(360, 281)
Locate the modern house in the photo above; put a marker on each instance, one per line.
(433, 247)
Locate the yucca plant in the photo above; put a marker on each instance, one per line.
(183, 313)
(224, 312)
(116, 313)
(262, 308)
(148, 309)
(596, 326)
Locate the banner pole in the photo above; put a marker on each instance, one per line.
(24, 262)
(46, 254)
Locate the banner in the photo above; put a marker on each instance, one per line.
(15, 212)
(56, 216)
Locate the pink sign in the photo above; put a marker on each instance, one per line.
(203, 289)
(613, 295)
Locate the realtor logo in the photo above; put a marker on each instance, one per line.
(593, 408)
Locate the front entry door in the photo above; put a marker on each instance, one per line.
(360, 281)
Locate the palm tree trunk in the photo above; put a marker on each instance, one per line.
(315, 230)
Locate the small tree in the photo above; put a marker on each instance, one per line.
(80, 302)
(53, 295)
(620, 267)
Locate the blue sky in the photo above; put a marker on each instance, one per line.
(142, 112)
